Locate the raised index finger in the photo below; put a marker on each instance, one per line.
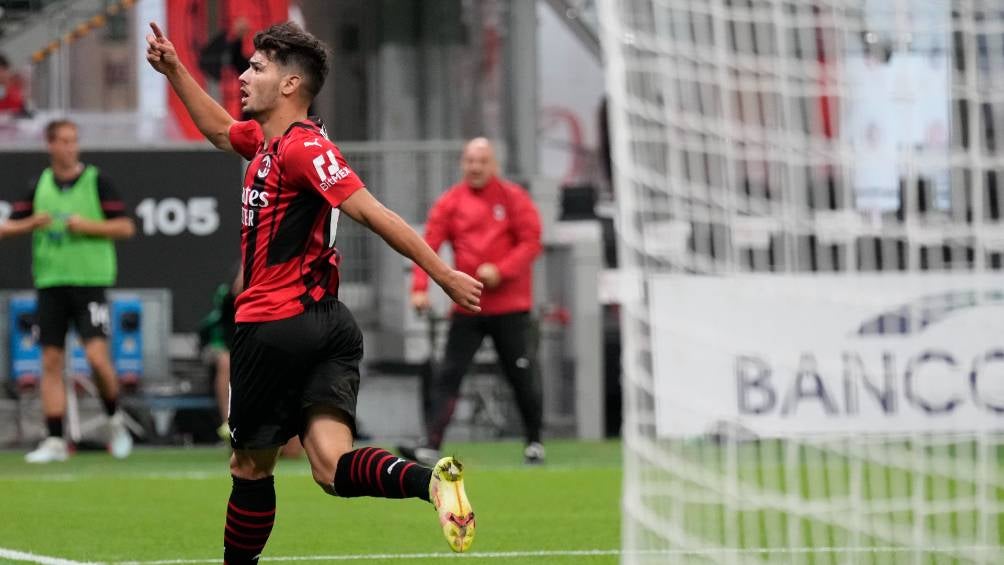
(156, 30)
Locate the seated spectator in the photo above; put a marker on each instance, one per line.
(11, 90)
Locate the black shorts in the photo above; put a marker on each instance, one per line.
(280, 369)
(85, 306)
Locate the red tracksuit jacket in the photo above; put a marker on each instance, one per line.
(498, 224)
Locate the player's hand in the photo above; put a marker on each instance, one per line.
(463, 289)
(160, 51)
(76, 224)
(40, 220)
(420, 300)
(489, 274)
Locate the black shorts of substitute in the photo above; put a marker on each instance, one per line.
(280, 369)
(85, 306)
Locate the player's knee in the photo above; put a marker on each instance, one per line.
(251, 467)
(326, 482)
(324, 474)
(97, 357)
(52, 364)
(327, 487)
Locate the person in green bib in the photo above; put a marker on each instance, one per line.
(74, 216)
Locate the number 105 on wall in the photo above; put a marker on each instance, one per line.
(174, 216)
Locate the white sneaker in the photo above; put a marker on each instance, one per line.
(119, 439)
(51, 449)
(534, 454)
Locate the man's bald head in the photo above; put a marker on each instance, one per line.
(478, 162)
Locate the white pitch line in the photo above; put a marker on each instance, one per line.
(709, 552)
(40, 559)
(397, 556)
(45, 560)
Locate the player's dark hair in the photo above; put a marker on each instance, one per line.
(4, 62)
(52, 127)
(288, 44)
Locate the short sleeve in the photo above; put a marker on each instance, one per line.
(112, 204)
(246, 138)
(317, 164)
(24, 206)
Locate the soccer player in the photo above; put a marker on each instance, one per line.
(296, 354)
(75, 216)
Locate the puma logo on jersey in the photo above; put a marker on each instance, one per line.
(312, 143)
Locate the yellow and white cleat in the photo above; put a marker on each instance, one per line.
(446, 491)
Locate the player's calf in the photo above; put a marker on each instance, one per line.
(371, 471)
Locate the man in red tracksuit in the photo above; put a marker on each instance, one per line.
(11, 93)
(494, 229)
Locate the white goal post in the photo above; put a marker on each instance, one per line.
(810, 246)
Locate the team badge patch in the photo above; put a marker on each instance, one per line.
(266, 165)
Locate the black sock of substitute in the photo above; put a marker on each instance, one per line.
(55, 426)
(111, 405)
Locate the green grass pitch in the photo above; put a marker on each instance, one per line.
(168, 505)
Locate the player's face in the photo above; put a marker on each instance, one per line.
(478, 164)
(64, 147)
(260, 85)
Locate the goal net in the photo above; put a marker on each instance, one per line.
(810, 251)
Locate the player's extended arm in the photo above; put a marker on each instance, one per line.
(212, 120)
(436, 230)
(362, 207)
(14, 228)
(115, 228)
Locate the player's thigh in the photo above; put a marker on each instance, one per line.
(52, 316)
(281, 369)
(90, 312)
(332, 383)
(265, 389)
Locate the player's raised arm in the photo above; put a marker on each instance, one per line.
(212, 120)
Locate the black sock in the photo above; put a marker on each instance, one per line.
(250, 516)
(372, 471)
(111, 405)
(55, 426)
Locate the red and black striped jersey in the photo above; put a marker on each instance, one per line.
(289, 214)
